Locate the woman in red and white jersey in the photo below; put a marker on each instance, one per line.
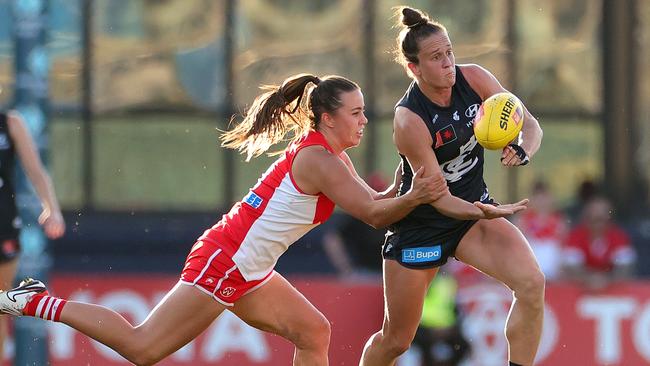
(231, 264)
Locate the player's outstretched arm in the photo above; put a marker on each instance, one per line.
(316, 170)
(414, 141)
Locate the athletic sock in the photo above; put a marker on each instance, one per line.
(45, 307)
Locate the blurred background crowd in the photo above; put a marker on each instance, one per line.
(137, 91)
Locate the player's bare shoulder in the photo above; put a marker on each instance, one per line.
(484, 83)
(314, 165)
(407, 120)
(408, 126)
(311, 158)
(473, 70)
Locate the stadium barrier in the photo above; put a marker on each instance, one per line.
(610, 327)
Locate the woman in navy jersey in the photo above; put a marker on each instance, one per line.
(433, 129)
(231, 264)
(15, 141)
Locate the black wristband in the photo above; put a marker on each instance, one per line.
(521, 154)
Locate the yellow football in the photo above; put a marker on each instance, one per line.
(498, 121)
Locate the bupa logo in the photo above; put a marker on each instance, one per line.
(408, 255)
(421, 254)
(253, 200)
(228, 291)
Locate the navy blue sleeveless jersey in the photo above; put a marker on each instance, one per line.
(8, 211)
(458, 153)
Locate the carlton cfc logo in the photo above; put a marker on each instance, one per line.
(228, 291)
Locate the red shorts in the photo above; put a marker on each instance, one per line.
(212, 271)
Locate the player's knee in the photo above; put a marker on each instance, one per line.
(142, 361)
(140, 352)
(396, 344)
(530, 288)
(321, 332)
(143, 357)
(315, 335)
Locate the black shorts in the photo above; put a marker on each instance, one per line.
(9, 249)
(424, 248)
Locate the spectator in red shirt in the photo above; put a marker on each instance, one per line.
(598, 251)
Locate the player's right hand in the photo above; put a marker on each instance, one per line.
(428, 189)
(492, 211)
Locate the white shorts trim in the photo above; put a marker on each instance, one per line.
(260, 284)
(207, 292)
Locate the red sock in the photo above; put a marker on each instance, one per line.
(45, 307)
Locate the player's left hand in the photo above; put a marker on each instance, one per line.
(514, 155)
(491, 211)
(53, 224)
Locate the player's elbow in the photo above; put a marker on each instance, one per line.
(375, 219)
(535, 129)
(375, 222)
(379, 224)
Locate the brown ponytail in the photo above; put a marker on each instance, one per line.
(271, 116)
(290, 108)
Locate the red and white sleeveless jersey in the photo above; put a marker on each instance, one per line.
(272, 216)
